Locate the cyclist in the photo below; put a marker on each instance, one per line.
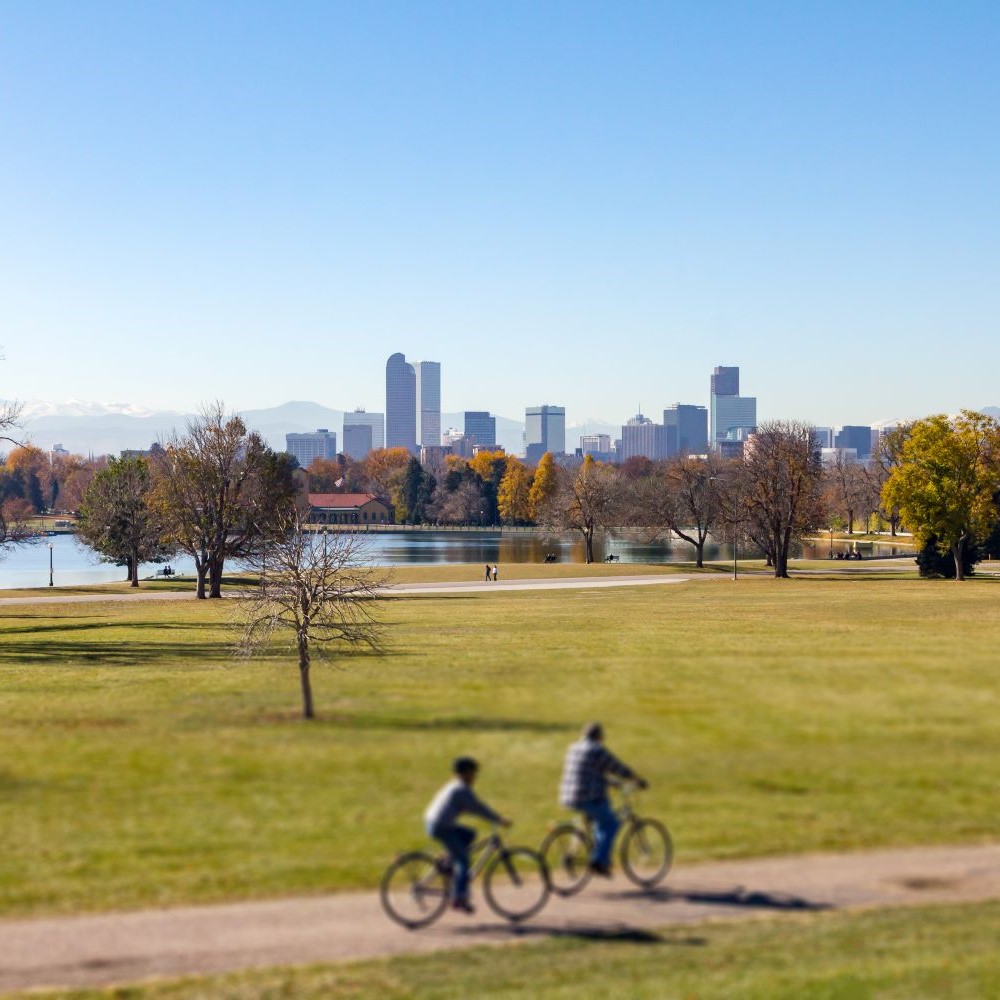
(584, 787)
(452, 801)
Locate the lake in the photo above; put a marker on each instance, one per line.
(75, 564)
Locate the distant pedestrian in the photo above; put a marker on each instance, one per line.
(489, 573)
(496, 572)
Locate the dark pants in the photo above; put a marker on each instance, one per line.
(457, 840)
(606, 824)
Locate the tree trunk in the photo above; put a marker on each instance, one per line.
(134, 581)
(215, 566)
(307, 695)
(781, 566)
(850, 522)
(588, 537)
(699, 558)
(956, 551)
(201, 569)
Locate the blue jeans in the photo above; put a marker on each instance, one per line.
(457, 840)
(606, 824)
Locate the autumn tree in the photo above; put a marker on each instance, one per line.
(780, 488)
(544, 486)
(315, 591)
(692, 502)
(384, 469)
(220, 491)
(588, 501)
(945, 482)
(117, 518)
(513, 492)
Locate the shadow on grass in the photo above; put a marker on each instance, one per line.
(74, 625)
(617, 933)
(473, 723)
(122, 653)
(738, 896)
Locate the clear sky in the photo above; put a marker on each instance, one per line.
(575, 203)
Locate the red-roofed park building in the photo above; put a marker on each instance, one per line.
(349, 508)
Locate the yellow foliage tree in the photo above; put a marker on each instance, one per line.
(512, 496)
(543, 487)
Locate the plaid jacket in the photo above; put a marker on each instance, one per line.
(585, 773)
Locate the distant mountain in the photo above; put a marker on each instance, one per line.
(99, 428)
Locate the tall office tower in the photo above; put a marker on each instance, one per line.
(595, 444)
(357, 440)
(400, 404)
(857, 437)
(361, 418)
(481, 427)
(725, 381)
(641, 438)
(544, 430)
(308, 447)
(730, 414)
(428, 402)
(687, 429)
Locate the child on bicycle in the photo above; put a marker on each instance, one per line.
(453, 800)
(584, 787)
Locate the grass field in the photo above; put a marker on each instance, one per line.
(890, 954)
(145, 765)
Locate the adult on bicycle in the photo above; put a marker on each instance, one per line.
(584, 787)
(441, 819)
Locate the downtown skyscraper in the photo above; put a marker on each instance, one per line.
(400, 404)
(428, 402)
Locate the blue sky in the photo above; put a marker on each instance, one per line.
(576, 203)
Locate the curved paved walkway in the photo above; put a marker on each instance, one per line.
(125, 947)
(395, 590)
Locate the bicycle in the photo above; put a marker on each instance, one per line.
(416, 887)
(646, 850)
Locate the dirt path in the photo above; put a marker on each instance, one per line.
(127, 947)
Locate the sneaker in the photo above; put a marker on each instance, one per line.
(463, 905)
(603, 870)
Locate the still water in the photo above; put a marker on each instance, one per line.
(74, 564)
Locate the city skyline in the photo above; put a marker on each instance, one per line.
(560, 184)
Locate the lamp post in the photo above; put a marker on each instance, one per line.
(51, 581)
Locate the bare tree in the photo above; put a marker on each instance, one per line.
(693, 487)
(782, 492)
(846, 487)
(316, 592)
(220, 489)
(588, 501)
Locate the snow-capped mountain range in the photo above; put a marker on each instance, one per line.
(86, 428)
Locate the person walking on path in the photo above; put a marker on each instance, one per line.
(496, 572)
(441, 819)
(489, 573)
(584, 787)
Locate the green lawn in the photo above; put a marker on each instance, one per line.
(891, 954)
(143, 764)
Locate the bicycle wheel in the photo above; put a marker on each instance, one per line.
(647, 852)
(516, 883)
(566, 852)
(415, 889)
